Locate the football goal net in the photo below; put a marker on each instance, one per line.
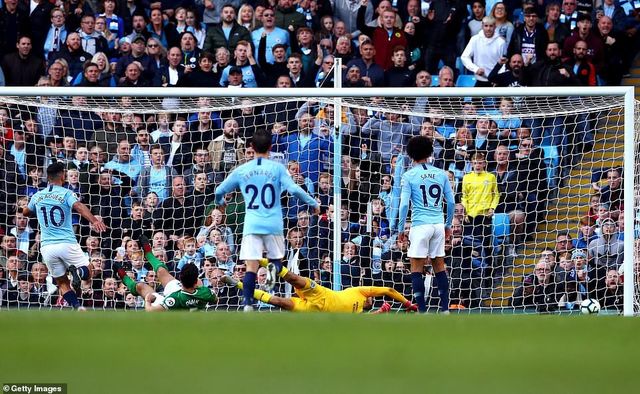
(554, 220)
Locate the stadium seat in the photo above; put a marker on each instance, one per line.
(434, 80)
(460, 66)
(501, 230)
(552, 160)
(466, 81)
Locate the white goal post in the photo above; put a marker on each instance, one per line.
(536, 103)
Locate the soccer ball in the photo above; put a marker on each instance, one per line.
(590, 306)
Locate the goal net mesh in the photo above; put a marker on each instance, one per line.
(552, 239)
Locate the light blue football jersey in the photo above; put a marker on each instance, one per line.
(261, 182)
(426, 187)
(54, 206)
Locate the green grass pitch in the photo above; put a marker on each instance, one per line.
(184, 353)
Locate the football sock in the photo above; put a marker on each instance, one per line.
(262, 296)
(71, 298)
(153, 260)
(83, 272)
(130, 283)
(443, 290)
(417, 284)
(249, 282)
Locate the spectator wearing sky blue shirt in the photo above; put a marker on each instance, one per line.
(19, 152)
(275, 35)
(124, 162)
(252, 76)
(156, 178)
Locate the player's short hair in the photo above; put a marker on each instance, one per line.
(189, 275)
(261, 141)
(55, 170)
(189, 240)
(419, 148)
(478, 156)
(156, 146)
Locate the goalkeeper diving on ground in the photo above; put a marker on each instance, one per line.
(313, 297)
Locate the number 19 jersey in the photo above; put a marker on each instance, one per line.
(427, 187)
(261, 182)
(53, 206)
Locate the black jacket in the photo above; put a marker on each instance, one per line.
(540, 41)
(216, 37)
(22, 72)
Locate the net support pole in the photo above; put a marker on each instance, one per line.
(337, 177)
(629, 199)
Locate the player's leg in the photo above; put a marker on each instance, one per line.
(249, 282)
(81, 270)
(418, 252)
(262, 296)
(162, 271)
(52, 256)
(137, 289)
(274, 245)
(251, 251)
(436, 251)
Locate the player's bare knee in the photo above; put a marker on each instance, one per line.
(252, 266)
(417, 265)
(164, 276)
(438, 264)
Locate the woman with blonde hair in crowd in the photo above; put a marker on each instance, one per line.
(105, 78)
(503, 27)
(157, 51)
(217, 220)
(247, 17)
(103, 29)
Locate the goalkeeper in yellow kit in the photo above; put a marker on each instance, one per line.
(315, 298)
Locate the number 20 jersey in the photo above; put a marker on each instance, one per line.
(53, 206)
(261, 182)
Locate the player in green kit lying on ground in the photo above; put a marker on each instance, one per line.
(186, 293)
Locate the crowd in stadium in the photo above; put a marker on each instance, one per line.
(155, 174)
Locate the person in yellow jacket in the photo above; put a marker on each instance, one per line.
(480, 197)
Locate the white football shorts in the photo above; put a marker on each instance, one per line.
(59, 257)
(426, 240)
(254, 245)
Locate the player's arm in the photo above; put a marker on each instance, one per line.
(405, 198)
(375, 291)
(287, 182)
(84, 211)
(149, 307)
(494, 192)
(227, 186)
(449, 198)
(30, 209)
(396, 190)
